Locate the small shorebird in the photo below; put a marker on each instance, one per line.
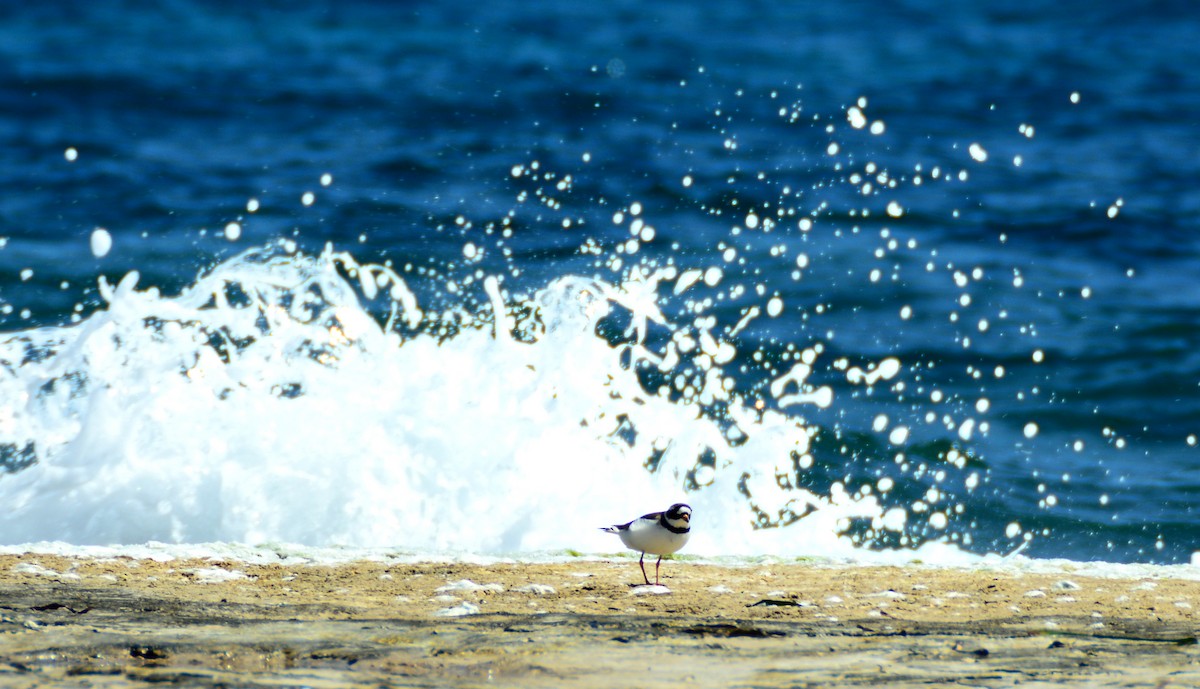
(657, 533)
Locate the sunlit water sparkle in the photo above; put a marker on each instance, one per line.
(845, 295)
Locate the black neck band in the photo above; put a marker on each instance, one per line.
(673, 529)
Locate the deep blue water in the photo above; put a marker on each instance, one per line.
(182, 111)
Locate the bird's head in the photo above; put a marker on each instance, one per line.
(679, 515)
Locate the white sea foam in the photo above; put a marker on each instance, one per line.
(469, 586)
(34, 568)
(216, 575)
(537, 589)
(650, 590)
(461, 610)
(265, 405)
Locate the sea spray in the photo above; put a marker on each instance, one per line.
(265, 404)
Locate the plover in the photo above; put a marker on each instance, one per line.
(657, 533)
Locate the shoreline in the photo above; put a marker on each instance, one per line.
(128, 622)
(294, 554)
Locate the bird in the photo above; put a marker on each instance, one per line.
(657, 533)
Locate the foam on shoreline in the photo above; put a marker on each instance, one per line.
(301, 555)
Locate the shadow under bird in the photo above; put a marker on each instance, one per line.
(657, 533)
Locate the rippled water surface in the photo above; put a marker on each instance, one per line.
(850, 276)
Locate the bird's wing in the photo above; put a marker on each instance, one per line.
(616, 528)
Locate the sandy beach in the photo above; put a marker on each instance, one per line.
(124, 622)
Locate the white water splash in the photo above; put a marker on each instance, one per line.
(264, 404)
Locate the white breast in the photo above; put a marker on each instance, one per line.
(650, 537)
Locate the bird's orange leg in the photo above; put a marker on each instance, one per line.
(642, 564)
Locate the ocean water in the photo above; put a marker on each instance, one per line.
(850, 278)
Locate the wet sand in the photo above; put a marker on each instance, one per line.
(123, 622)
